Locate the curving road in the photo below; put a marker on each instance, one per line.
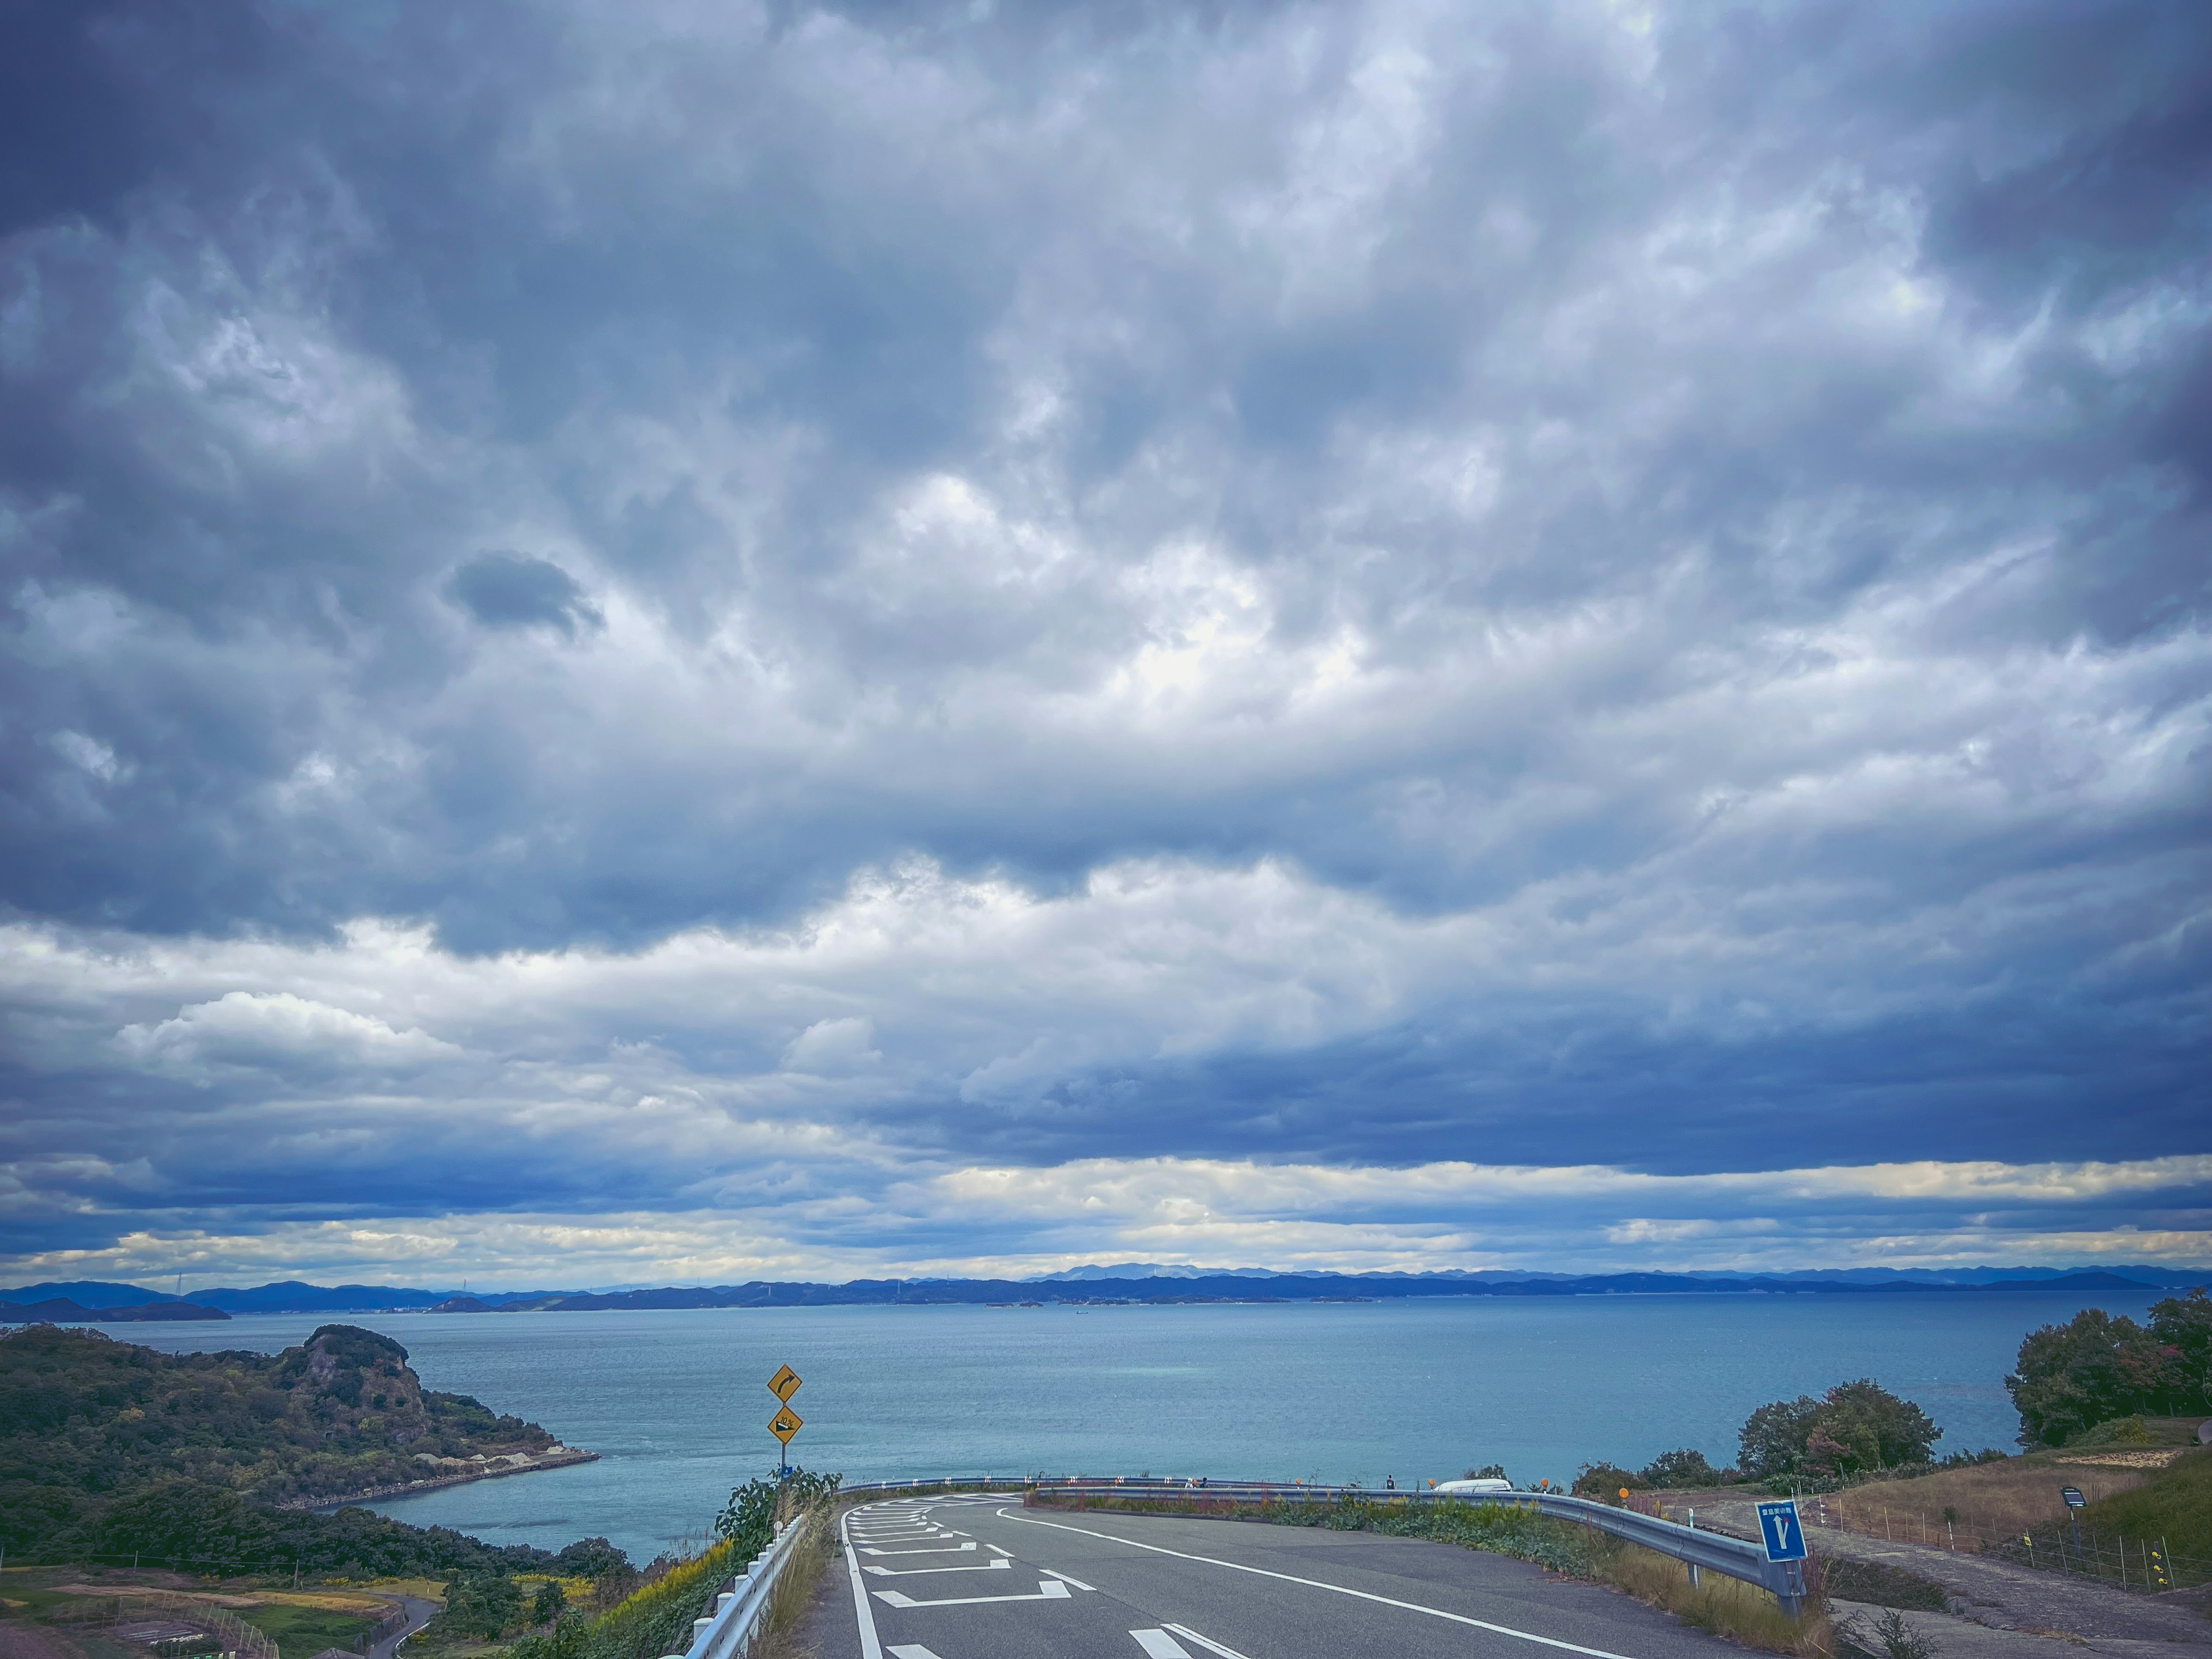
(982, 1578)
(419, 1614)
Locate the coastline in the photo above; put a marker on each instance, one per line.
(566, 1457)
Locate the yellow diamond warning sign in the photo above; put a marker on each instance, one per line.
(784, 1384)
(785, 1423)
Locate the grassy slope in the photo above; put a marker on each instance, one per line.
(2175, 1505)
(300, 1631)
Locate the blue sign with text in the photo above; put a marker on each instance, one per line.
(1784, 1533)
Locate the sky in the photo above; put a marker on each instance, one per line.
(668, 642)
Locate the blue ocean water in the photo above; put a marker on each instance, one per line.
(677, 1402)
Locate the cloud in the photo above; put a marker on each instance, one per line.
(506, 590)
(1352, 587)
(277, 1031)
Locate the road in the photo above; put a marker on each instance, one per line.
(419, 1614)
(983, 1578)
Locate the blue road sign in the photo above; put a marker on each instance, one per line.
(2073, 1497)
(1784, 1535)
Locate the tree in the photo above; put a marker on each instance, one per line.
(1605, 1480)
(1773, 1439)
(1487, 1472)
(2183, 1323)
(2070, 1377)
(484, 1607)
(1684, 1468)
(1863, 1426)
(551, 1601)
(1853, 1429)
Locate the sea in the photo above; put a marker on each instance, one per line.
(677, 1402)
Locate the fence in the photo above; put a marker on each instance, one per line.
(234, 1633)
(2143, 1565)
(2085, 1551)
(728, 1632)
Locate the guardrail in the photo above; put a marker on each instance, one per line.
(728, 1631)
(955, 1482)
(1714, 1552)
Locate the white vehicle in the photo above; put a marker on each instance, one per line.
(1486, 1483)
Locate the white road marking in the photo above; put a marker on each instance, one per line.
(1048, 1590)
(1316, 1583)
(870, 1648)
(1190, 1635)
(1065, 1579)
(949, 1549)
(1158, 1645)
(911, 1650)
(913, 1572)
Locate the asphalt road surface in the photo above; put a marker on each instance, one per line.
(983, 1578)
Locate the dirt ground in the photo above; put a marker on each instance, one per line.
(2001, 1596)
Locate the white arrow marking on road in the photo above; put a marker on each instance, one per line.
(1048, 1589)
(1190, 1635)
(1158, 1645)
(1318, 1584)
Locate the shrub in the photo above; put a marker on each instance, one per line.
(2094, 1368)
(656, 1619)
(1684, 1468)
(1855, 1428)
(1605, 1480)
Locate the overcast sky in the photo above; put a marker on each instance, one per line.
(660, 643)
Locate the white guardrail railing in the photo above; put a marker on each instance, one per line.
(1715, 1551)
(728, 1631)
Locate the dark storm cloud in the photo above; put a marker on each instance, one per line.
(506, 590)
(1459, 587)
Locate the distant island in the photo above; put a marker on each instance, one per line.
(96, 1303)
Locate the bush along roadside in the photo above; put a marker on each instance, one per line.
(657, 1618)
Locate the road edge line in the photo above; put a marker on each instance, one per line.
(1316, 1583)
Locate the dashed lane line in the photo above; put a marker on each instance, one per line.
(1158, 1645)
(1322, 1584)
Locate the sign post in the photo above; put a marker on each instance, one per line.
(1783, 1535)
(787, 1422)
(2074, 1503)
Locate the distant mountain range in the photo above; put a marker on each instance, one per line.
(89, 1301)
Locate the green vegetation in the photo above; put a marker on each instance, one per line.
(2070, 1378)
(302, 1632)
(1854, 1429)
(2174, 1505)
(112, 1452)
(85, 1416)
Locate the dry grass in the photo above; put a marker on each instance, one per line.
(1729, 1607)
(782, 1633)
(1990, 1501)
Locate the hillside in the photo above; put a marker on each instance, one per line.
(85, 1420)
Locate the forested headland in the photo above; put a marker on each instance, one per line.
(110, 1449)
